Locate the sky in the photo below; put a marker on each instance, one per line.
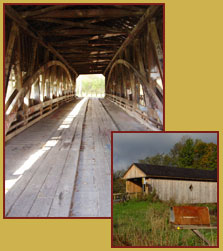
(131, 147)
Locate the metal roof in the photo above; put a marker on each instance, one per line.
(169, 172)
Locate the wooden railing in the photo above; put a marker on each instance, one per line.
(35, 113)
(135, 111)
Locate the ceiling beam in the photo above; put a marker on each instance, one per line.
(87, 56)
(87, 13)
(89, 62)
(83, 49)
(148, 14)
(14, 15)
(41, 11)
(79, 32)
(67, 24)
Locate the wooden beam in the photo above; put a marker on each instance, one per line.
(87, 56)
(86, 49)
(32, 57)
(8, 53)
(144, 19)
(79, 32)
(64, 44)
(72, 42)
(141, 77)
(18, 100)
(18, 73)
(10, 99)
(11, 13)
(201, 236)
(157, 45)
(89, 62)
(41, 11)
(68, 24)
(87, 13)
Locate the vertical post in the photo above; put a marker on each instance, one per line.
(139, 63)
(74, 84)
(48, 84)
(133, 88)
(8, 53)
(42, 87)
(149, 98)
(37, 90)
(33, 57)
(157, 45)
(46, 56)
(132, 80)
(58, 80)
(18, 73)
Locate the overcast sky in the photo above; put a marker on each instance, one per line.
(130, 147)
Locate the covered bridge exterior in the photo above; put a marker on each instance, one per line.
(183, 185)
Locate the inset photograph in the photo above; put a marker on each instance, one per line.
(165, 189)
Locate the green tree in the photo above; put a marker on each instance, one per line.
(93, 84)
(186, 155)
(153, 160)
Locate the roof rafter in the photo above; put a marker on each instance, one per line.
(148, 14)
(86, 13)
(14, 15)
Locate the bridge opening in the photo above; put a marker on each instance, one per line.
(90, 85)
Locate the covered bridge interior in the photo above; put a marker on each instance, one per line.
(46, 48)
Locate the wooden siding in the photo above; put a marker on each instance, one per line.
(185, 191)
(134, 172)
(134, 186)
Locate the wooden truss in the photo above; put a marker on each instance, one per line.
(48, 46)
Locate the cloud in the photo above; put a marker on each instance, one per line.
(130, 147)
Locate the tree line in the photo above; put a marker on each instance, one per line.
(187, 153)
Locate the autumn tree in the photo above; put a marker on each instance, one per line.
(187, 153)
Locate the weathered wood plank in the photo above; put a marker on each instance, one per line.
(13, 194)
(44, 199)
(62, 200)
(92, 189)
(39, 174)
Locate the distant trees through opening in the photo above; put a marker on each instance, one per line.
(92, 85)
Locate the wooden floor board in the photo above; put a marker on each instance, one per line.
(61, 166)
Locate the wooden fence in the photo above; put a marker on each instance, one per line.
(36, 112)
(134, 110)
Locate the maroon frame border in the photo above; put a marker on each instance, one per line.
(217, 133)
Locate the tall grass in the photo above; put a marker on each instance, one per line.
(145, 222)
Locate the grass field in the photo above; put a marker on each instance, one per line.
(146, 223)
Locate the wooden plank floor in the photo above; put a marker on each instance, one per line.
(123, 121)
(60, 166)
(92, 194)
